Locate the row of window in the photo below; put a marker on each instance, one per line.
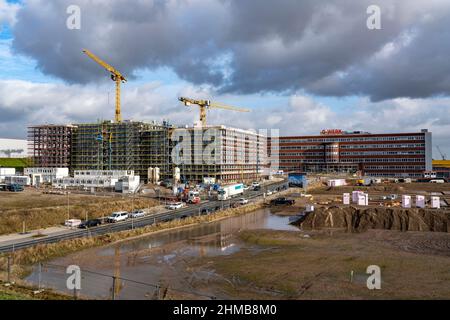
(382, 153)
(394, 168)
(383, 146)
(354, 160)
(350, 139)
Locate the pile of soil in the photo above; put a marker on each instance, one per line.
(359, 220)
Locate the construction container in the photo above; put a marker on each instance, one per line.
(363, 199)
(420, 201)
(435, 202)
(355, 195)
(406, 201)
(336, 182)
(346, 198)
(21, 180)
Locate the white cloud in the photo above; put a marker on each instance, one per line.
(8, 12)
(23, 103)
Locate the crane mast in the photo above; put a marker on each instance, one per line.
(116, 76)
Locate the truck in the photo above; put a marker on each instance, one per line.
(364, 182)
(227, 192)
(193, 197)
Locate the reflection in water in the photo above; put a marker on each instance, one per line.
(161, 258)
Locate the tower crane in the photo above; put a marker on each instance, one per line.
(116, 76)
(207, 104)
(443, 155)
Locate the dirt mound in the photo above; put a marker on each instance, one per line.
(360, 220)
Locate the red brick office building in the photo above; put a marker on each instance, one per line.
(376, 155)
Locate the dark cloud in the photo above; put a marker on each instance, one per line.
(242, 47)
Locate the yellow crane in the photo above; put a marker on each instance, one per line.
(116, 76)
(207, 104)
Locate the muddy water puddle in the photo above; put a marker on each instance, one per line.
(143, 268)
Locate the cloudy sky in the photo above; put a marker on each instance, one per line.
(299, 65)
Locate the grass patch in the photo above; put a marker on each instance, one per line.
(18, 163)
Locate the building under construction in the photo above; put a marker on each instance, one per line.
(234, 154)
(50, 145)
(105, 145)
(218, 152)
(125, 145)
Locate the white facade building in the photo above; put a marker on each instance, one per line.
(45, 175)
(6, 172)
(118, 180)
(22, 180)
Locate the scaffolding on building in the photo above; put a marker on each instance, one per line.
(126, 145)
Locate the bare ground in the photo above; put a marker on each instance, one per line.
(415, 265)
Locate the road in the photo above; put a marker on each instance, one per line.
(192, 210)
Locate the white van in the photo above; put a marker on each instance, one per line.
(72, 223)
(437, 181)
(117, 217)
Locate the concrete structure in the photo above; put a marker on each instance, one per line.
(122, 180)
(45, 175)
(225, 154)
(13, 148)
(374, 155)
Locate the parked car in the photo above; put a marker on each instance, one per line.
(137, 214)
(282, 201)
(256, 188)
(90, 224)
(205, 211)
(243, 201)
(175, 206)
(269, 193)
(72, 223)
(117, 217)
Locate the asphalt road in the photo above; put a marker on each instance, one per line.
(191, 210)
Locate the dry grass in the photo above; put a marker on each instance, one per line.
(41, 211)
